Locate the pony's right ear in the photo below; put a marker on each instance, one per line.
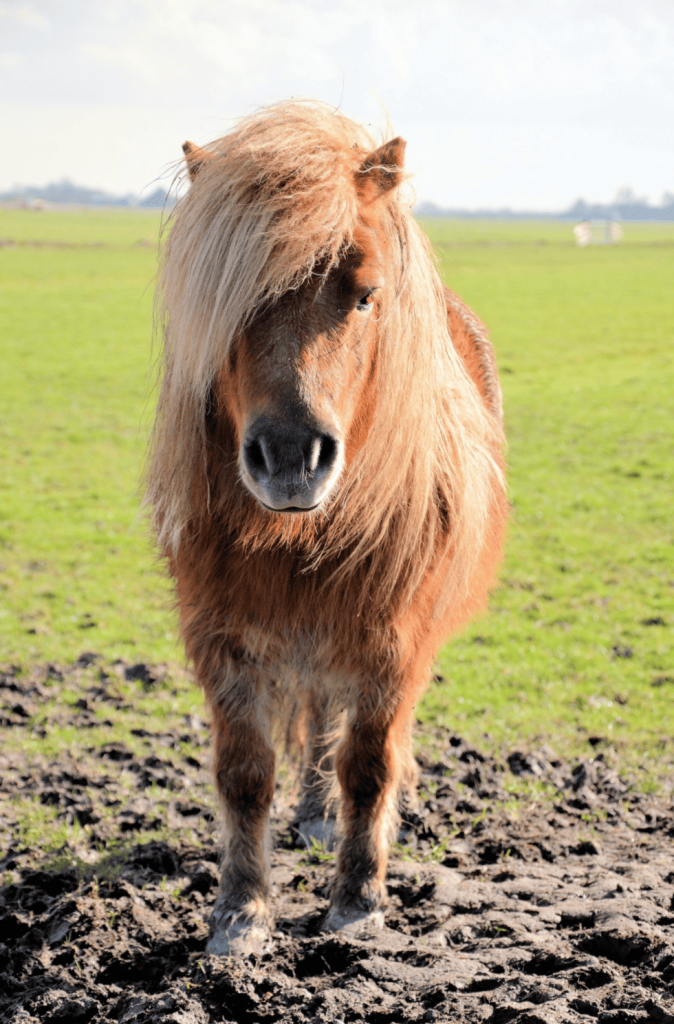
(195, 156)
(381, 171)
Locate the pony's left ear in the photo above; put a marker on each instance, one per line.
(195, 157)
(382, 170)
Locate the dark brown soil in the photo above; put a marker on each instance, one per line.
(501, 908)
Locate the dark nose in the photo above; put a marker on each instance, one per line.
(290, 466)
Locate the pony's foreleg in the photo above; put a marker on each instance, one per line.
(244, 764)
(372, 761)
(313, 820)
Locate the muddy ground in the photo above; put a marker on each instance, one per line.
(551, 903)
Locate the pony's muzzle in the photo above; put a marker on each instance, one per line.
(290, 469)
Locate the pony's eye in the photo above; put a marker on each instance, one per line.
(366, 302)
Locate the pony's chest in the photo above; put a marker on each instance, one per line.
(293, 658)
(284, 618)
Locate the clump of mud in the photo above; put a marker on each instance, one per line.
(552, 906)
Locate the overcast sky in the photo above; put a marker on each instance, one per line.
(524, 103)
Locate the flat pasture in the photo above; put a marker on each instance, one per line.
(576, 649)
(577, 645)
(534, 866)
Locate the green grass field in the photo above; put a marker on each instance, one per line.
(577, 643)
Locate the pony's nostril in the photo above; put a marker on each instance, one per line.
(257, 458)
(327, 453)
(322, 453)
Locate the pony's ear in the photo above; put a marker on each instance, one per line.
(382, 170)
(195, 156)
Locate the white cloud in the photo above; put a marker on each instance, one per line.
(10, 60)
(200, 47)
(24, 14)
(128, 58)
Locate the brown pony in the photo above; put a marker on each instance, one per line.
(327, 484)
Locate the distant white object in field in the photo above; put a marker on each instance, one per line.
(598, 232)
(583, 233)
(615, 231)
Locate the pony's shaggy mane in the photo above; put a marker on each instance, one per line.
(275, 202)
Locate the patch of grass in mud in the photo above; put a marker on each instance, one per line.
(62, 846)
(527, 792)
(126, 714)
(94, 763)
(38, 828)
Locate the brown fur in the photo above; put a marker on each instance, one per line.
(330, 618)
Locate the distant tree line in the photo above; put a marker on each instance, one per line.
(65, 191)
(626, 206)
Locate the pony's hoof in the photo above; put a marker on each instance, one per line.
(356, 923)
(235, 934)
(317, 832)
